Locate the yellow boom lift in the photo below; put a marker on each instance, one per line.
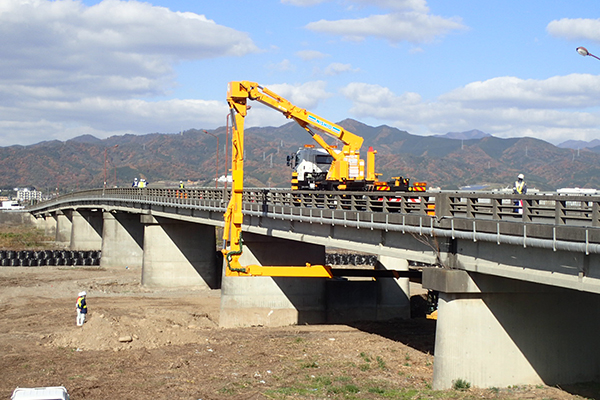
(347, 171)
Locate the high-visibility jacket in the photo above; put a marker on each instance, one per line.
(520, 187)
(81, 305)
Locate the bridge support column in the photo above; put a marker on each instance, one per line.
(86, 232)
(267, 301)
(178, 254)
(47, 223)
(394, 294)
(122, 240)
(64, 225)
(497, 332)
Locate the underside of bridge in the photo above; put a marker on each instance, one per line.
(272, 301)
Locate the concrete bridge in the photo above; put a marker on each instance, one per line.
(518, 287)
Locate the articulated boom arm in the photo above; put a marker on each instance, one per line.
(347, 165)
(237, 95)
(303, 117)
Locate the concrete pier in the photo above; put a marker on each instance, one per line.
(178, 254)
(497, 332)
(63, 228)
(48, 224)
(267, 301)
(122, 240)
(393, 294)
(86, 231)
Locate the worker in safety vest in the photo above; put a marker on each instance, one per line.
(520, 187)
(81, 306)
(181, 185)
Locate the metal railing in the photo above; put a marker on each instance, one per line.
(557, 219)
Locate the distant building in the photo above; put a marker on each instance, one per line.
(27, 195)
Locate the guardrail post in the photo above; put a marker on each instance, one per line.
(442, 205)
(527, 204)
(559, 206)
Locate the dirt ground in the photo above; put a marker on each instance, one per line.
(166, 344)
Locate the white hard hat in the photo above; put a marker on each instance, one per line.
(82, 293)
(521, 176)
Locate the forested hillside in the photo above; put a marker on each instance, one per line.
(164, 159)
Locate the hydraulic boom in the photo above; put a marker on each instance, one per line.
(347, 171)
(237, 95)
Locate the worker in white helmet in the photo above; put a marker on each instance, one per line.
(520, 187)
(82, 310)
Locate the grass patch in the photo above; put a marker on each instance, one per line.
(310, 364)
(460, 384)
(23, 237)
(365, 357)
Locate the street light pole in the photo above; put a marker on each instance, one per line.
(217, 166)
(584, 52)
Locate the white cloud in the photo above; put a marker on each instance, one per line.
(398, 5)
(303, 3)
(409, 26)
(105, 117)
(62, 59)
(553, 109)
(573, 29)
(308, 55)
(282, 66)
(306, 95)
(573, 91)
(338, 68)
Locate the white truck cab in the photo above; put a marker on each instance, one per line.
(41, 393)
(311, 164)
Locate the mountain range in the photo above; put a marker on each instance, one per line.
(450, 161)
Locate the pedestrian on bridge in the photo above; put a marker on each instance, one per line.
(520, 187)
(82, 310)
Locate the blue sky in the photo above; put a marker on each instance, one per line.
(508, 68)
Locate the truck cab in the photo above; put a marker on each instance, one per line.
(312, 165)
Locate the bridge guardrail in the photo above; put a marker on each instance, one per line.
(547, 216)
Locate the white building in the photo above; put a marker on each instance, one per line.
(27, 195)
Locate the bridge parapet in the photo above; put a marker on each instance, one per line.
(550, 221)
